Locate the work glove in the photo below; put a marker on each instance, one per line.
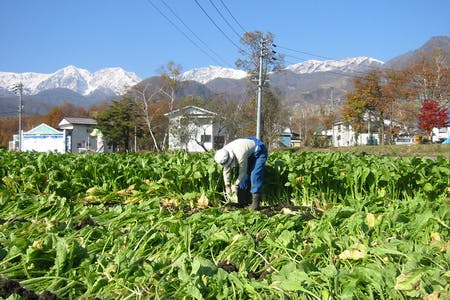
(230, 194)
(228, 189)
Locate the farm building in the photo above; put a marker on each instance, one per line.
(78, 135)
(43, 138)
(195, 129)
(288, 138)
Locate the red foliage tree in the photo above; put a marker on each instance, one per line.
(431, 115)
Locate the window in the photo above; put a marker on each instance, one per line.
(219, 141)
(206, 138)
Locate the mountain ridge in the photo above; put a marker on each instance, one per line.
(84, 83)
(80, 87)
(311, 81)
(434, 43)
(348, 65)
(115, 80)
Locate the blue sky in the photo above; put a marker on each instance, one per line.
(46, 35)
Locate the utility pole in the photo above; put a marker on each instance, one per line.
(19, 88)
(260, 85)
(135, 138)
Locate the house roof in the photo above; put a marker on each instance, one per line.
(288, 131)
(43, 129)
(190, 110)
(76, 121)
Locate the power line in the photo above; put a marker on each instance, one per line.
(225, 20)
(217, 26)
(229, 12)
(181, 31)
(302, 52)
(7, 113)
(194, 34)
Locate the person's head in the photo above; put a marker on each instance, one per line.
(223, 157)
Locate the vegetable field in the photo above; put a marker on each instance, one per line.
(152, 226)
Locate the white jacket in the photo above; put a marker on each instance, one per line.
(242, 149)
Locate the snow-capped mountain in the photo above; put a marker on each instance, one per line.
(349, 65)
(81, 81)
(311, 81)
(117, 80)
(207, 74)
(306, 81)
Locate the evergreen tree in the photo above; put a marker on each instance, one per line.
(119, 124)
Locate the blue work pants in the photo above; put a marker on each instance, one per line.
(255, 171)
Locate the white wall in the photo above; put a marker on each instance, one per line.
(192, 145)
(439, 134)
(344, 136)
(43, 143)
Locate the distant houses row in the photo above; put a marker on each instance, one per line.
(75, 135)
(192, 129)
(342, 135)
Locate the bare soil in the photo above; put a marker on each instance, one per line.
(10, 287)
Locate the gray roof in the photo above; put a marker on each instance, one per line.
(83, 121)
(190, 110)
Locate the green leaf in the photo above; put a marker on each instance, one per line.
(98, 284)
(291, 279)
(355, 252)
(330, 271)
(20, 242)
(408, 281)
(428, 187)
(190, 196)
(221, 235)
(370, 220)
(62, 250)
(285, 237)
(194, 292)
(202, 266)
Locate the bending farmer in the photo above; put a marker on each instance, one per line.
(249, 155)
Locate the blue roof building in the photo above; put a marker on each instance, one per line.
(43, 138)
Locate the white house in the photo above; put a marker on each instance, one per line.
(195, 129)
(77, 132)
(438, 135)
(43, 138)
(342, 135)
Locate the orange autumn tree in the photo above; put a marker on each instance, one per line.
(367, 103)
